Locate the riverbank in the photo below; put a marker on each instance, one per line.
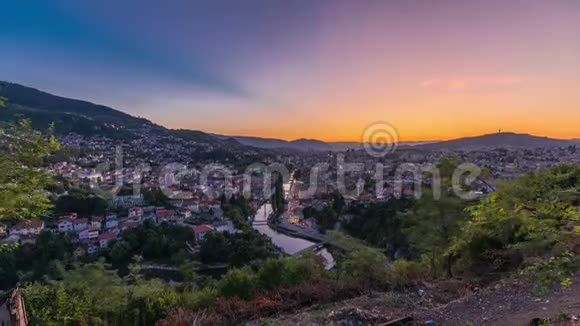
(290, 241)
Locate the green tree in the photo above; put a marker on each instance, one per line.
(22, 179)
(327, 218)
(80, 201)
(241, 283)
(213, 249)
(278, 201)
(430, 227)
(8, 268)
(337, 202)
(527, 217)
(121, 254)
(381, 226)
(56, 270)
(364, 267)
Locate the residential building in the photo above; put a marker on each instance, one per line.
(135, 211)
(92, 249)
(31, 227)
(80, 224)
(224, 226)
(111, 223)
(201, 231)
(97, 222)
(105, 238)
(89, 233)
(65, 225)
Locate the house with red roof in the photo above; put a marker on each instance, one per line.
(162, 213)
(30, 227)
(201, 231)
(135, 211)
(105, 238)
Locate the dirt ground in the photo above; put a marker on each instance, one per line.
(509, 302)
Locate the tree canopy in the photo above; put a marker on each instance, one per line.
(22, 179)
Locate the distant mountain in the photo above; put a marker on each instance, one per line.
(305, 144)
(271, 143)
(344, 146)
(503, 139)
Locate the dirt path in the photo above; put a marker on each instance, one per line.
(509, 303)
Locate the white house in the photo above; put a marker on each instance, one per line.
(224, 226)
(128, 201)
(89, 233)
(65, 225)
(135, 211)
(201, 231)
(80, 224)
(92, 249)
(111, 223)
(184, 213)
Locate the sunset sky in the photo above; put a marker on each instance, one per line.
(322, 69)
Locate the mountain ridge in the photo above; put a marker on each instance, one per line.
(500, 139)
(74, 115)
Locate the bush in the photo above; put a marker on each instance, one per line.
(404, 273)
(200, 299)
(241, 283)
(365, 268)
(556, 271)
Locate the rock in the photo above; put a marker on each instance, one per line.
(352, 316)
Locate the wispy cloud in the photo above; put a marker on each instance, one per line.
(457, 84)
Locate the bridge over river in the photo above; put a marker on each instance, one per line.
(291, 242)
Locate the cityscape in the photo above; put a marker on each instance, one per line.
(378, 163)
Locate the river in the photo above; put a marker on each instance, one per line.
(288, 244)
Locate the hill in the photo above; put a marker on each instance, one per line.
(82, 117)
(503, 139)
(140, 137)
(271, 143)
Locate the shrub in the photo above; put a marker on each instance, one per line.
(365, 268)
(200, 299)
(404, 273)
(553, 272)
(241, 283)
